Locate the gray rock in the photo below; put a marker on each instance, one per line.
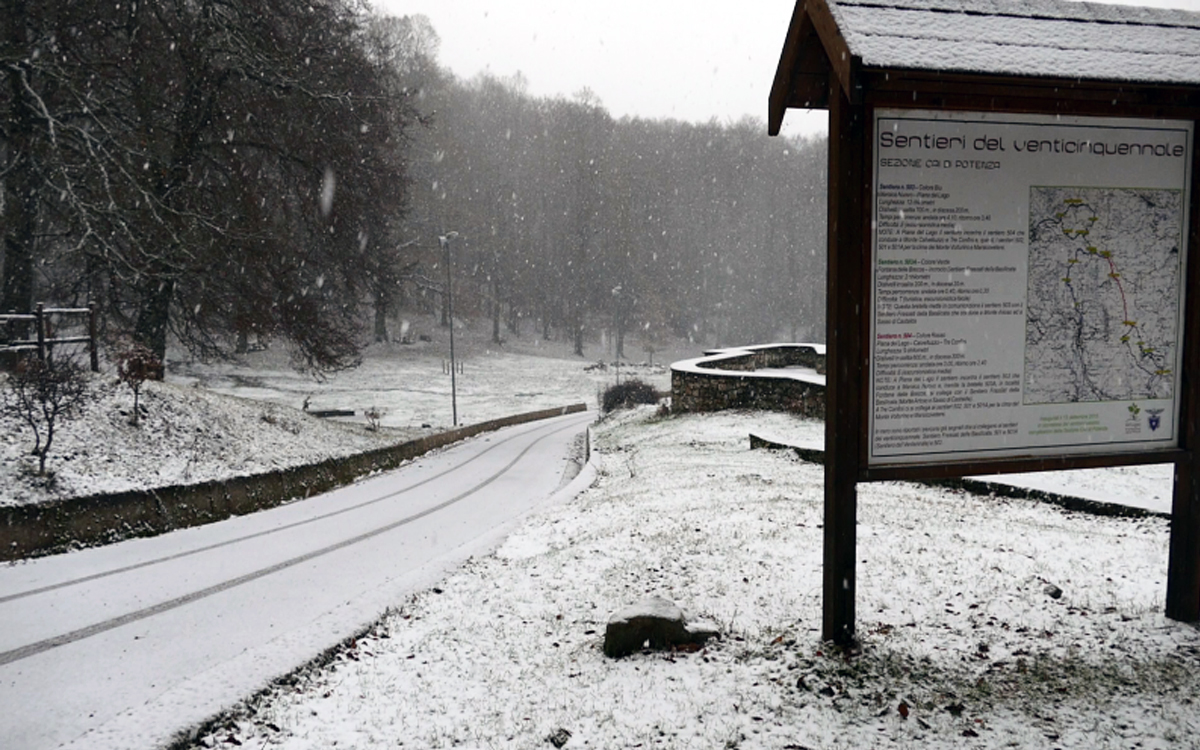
(656, 621)
(1052, 591)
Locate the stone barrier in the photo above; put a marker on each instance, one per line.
(732, 379)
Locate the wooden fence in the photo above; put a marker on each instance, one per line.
(14, 331)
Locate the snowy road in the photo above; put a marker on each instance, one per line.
(122, 646)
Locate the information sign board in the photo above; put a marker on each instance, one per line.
(1027, 285)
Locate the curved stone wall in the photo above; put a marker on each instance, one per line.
(783, 377)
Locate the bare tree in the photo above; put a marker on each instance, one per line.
(40, 394)
(214, 166)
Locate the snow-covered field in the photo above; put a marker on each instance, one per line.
(410, 383)
(186, 435)
(962, 643)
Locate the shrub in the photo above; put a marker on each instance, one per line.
(135, 366)
(40, 393)
(627, 394)
(374, 417)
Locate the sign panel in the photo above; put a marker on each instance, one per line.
(1027, 285)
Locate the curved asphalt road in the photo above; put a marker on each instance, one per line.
(125, 645)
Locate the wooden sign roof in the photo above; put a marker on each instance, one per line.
(1020, 39)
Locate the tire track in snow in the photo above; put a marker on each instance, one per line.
(258, 534)
(24, 652)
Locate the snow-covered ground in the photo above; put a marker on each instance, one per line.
(410, 383)
(191, 431)
(963, 644)
(185, 435)
(122, 646)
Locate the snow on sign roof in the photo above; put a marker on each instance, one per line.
(1037, 38)
(1055, 39)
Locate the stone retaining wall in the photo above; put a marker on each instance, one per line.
(31, 530)
(725, 379)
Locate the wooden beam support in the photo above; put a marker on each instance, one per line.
(845, 65)
(1183, 564)
(802, 78)
(988, 93)
(845, 311)
(40, 313)
(781, 88)
(947, 470)
(93, 347)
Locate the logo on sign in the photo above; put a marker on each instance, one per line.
(1154, 418)
(1133, 424)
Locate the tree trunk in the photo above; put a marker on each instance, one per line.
(495, 312)
(21, 185)
(793, 289)
(153, 317)
(381, 309)
(577, 332)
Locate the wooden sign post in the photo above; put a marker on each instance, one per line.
(1013, 250)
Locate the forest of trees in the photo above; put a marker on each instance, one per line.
(207, 171)
(581, 223)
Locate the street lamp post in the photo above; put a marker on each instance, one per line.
(444, 240)
(616, 293)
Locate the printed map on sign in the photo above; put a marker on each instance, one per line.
(1103, 295)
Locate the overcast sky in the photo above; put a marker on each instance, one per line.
(691, 60)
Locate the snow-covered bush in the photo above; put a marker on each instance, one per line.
(40, 393)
